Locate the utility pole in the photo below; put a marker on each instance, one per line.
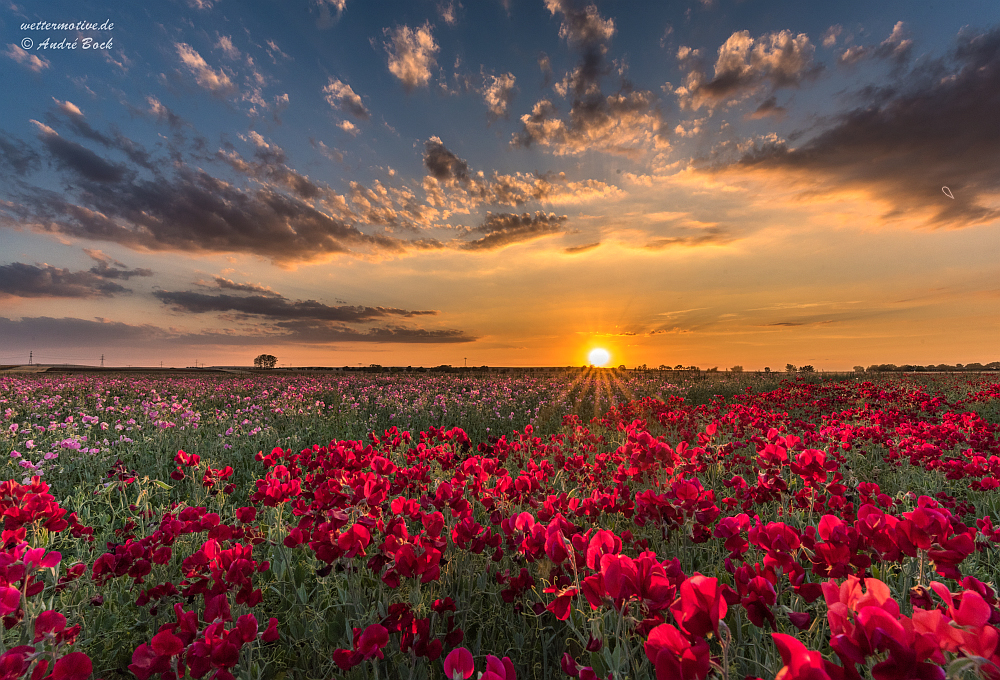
(102, 361)
(31, 357)
(466, 362)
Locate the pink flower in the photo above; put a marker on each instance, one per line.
(459, 665)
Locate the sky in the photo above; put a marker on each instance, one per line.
(500, 182)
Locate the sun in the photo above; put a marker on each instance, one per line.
(598, 356)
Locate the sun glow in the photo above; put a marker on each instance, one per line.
(599, 356)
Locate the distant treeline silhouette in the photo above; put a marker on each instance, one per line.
(930, 368)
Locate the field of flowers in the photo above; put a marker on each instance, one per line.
(582, 526)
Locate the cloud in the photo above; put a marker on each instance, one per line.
(831, 35)
(273, 49)
(43, 280)
(324, 334)
(17, 156)
(768, 107)
(468, 190)
(498, 93)
(163, 114)
(72, 117)
(109, 268)
(506, 229)
(442, 163)
(896, 48)
(77, 157)
(276, 307)
(545, 66)
(340, 96)
(711, 236)
(626, 123)
(411, 55)
(326, 19)
(215, 81)
(746, 66)
(226, 45)
(268, 165)
(936, 128)
(581, 26)
(447, 12)
(29, 61)
(68, 107)
(48, 332)
(192, 211)
(227, 284)
(576, 250)
(332, 154)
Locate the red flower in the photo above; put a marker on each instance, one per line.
(373, 640)
(800, 663)
(246, 515)
(166, 643)
(700, 606)
(459, 664)
(674, 656)
(501, 669)
(50, 622)
(73, 666)
(271, 634)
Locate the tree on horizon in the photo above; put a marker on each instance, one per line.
(265, 361)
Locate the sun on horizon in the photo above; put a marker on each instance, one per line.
(599, 356)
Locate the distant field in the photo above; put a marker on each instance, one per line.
(375, 526)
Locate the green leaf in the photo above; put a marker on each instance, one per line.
(162, 485)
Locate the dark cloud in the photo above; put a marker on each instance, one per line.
(574, 250)
(443, 164)
(311, 332)
(196, 212)
(627, 122)
(108, 268)
(17, 156)
(24, 280)
(341, 96)
(79, 158)
(268, 164)
(73, 119)
(227, 284)
(769, 107)
(162, 113)
(47, 332)
(274, 306)
(581, 25)
(509, 228)
(471, 189)
(938, 128)
(710, 236)
(746, 66)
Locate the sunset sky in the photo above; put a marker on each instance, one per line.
(502, 182)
